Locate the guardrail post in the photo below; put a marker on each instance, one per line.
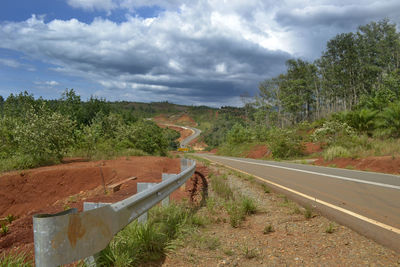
(166, 176)
(91, 261)
(140, 188)
(185, 163)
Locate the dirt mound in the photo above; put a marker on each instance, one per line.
(56, 188)
(385, 164)
(185, 119)
(310, 148)
(258, 152)
(160, 118)
(198, 145)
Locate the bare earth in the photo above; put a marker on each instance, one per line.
(295, 241)
(56, 188)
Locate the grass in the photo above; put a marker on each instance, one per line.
(268, 229)
(248, 205)
(10, 218)
(330, 229)
(18, 259)
(335, 152)
(4, 229)
(236, 214)
(349, 167)
(266, 189)
(250, 253)
(308, 212)
(206, 241)
(141, 243)
(221, 187)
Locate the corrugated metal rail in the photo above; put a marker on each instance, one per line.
(70, 236)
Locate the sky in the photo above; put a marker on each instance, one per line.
(194, 52)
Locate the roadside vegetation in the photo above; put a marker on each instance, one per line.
(347, 101)
(35, 132)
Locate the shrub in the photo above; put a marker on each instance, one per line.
(335, 152)
(238, 134)
(334, 132)
(389, 120)
(284, 143)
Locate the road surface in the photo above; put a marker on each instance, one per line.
(187, 140)
(365, 201)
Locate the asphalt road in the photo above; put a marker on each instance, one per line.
(365, 201)
(186, 141)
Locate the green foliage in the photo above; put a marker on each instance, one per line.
(238, 134)
(334, 132)
(284, 143)
(236, 214)
(18, 259)
(362, 120)
(248, 205)
(335, 152)
(268, 229)
(389, 120)
(141, 243)
(330, 229)
(221, 187)
(37, 132)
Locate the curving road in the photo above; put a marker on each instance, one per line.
(196, 133)
(367, 202)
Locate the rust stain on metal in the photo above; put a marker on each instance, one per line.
(76, 229)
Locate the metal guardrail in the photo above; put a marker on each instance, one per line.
(69, 236)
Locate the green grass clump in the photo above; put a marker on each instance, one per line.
(335, 152)
(141, 243)
(250, 253)
(266, 189)
(4, 229)
(248, 205)
(330, 229)
(268, 229)
(236, 214)
(221, 187)
(18, 259)
(308, 212)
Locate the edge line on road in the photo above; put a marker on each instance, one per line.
(317, 173)
(359, 216)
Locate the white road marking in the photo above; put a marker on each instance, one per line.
(317, 173)
(356, 215)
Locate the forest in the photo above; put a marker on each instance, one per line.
(348, 100)
(35, 132)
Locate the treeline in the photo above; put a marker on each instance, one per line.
(349, 99)
(355, 70)
(35, 132)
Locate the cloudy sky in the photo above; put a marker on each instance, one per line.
(187, 52)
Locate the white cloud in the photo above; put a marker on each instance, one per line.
(91, 5)
(10, 63)
(46, 83)
(205, 51)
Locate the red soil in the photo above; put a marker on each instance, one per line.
(385, 164)
(258, 152)
(310, 148)
(55, 188)
(185, 119)
(160, 118)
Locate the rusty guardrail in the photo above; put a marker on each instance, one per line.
(69, 236)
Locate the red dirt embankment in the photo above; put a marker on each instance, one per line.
(55, 188)
(384, 164)
(258, 152)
